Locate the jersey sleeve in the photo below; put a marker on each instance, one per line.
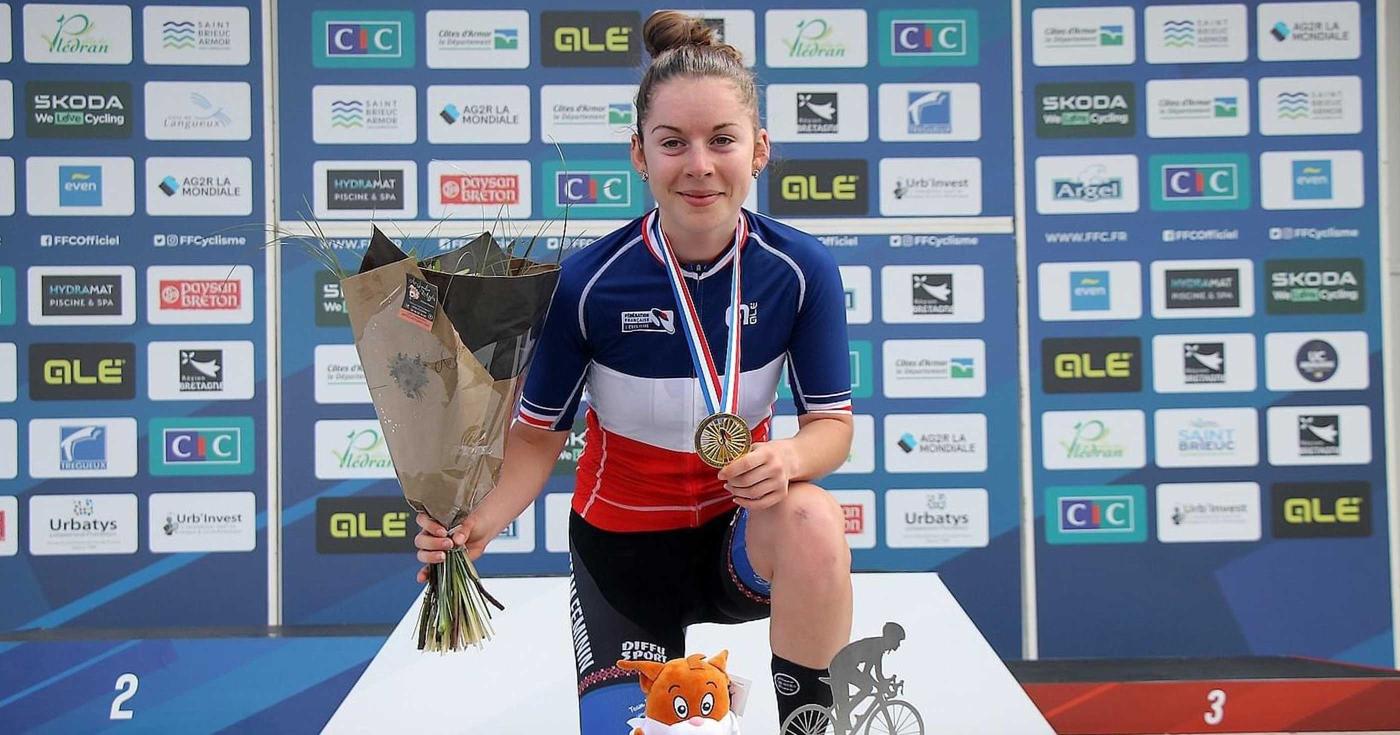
(819, 363)
(554, 383)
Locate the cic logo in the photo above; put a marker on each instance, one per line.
(591, 189)
(1096, 514)
(1207, 181)
(362, 39)
(928, 37)
(201, 446)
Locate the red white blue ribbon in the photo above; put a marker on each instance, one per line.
(720, 390)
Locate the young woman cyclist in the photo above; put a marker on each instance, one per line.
(659, 539)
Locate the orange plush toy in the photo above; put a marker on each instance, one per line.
(685, 696)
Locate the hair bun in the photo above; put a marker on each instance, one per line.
(671, 29)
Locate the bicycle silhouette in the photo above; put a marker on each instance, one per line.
(886, 715)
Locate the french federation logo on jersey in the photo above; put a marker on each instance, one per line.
(649, 320)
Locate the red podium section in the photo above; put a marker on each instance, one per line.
(1234, 695)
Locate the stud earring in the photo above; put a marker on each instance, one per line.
(644, 176)
(755, 173)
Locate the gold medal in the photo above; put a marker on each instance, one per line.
(722, 438)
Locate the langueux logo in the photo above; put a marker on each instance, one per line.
(1322, 510)
(1321, 286)
(363, 39)
(1200, 181)
(584, 38)
(1091, 365)
(330, 302)
(87, 371)
(834, 187)
(205, 445)
(362, 525)
(929, 38)
(79, 109)
(1086, 110)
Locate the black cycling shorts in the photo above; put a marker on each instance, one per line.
(632, 596)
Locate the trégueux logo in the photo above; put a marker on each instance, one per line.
(1321, 509)
(583, 38)
(836, 186)
(1091, 365)
(363, 525)
(86, 371)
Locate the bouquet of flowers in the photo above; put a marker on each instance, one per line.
(444, 342)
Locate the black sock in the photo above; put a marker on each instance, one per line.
(798, 685)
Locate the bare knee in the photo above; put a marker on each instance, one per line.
(811, 533)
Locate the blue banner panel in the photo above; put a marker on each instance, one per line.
(1203, 245)
(891, 127)
(132, 467)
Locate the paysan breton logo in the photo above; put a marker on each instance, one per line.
(1097, 514)
(590, 38)
(928, 38)
(363, 39)
(1206, 181)
(199, 294)
(203, 445)
(78, 109)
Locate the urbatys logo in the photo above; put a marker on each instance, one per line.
(590, 38)
(78, 109)
(86, 371)
(823, 187)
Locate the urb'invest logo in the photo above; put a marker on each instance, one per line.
(206, 445)
(362, 39)
(79, 186)
(928, 37)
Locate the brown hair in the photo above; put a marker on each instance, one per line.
(683, 46)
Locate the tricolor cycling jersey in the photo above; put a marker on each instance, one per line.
(612, 332)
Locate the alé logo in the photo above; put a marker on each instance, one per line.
(363, 39)
(1204, 181)
(206, 445)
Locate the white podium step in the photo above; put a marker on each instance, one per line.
(523, 681)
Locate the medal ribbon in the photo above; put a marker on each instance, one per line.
(721, 393)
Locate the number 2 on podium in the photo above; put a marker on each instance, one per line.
(126, 687)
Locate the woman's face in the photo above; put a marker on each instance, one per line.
(699, 152)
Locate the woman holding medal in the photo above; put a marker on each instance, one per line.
(678, 326)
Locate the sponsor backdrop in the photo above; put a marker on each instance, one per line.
(429, 114)
(131, 321)
(1203, 243)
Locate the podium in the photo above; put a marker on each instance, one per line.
(523, 681)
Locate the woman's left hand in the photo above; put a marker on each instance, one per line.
(760, 478)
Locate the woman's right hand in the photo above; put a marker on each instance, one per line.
(433, 541)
